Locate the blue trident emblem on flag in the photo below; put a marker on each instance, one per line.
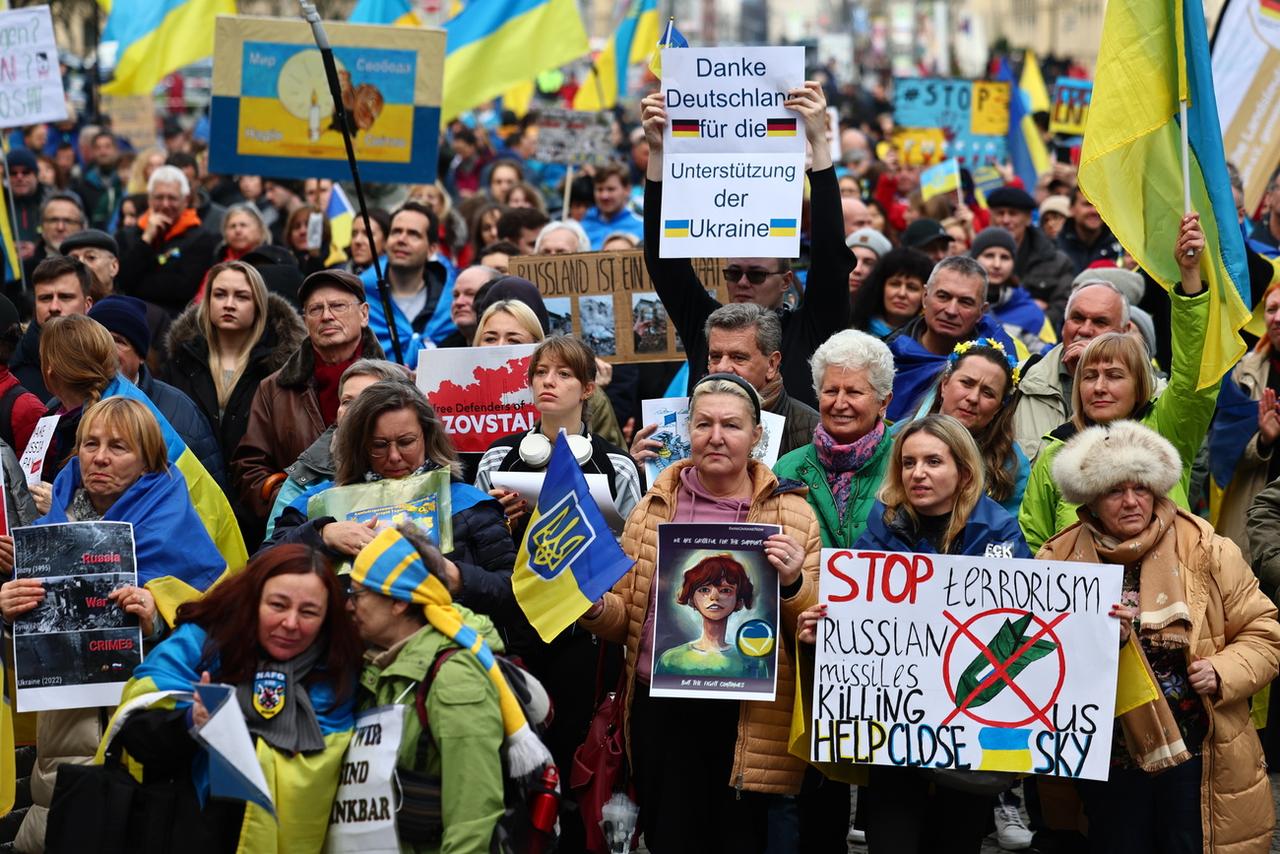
(558, 537)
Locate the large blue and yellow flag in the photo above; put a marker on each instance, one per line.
(155, 37)
(498, 43)
(1027, 152)
(398, 12)
(1032, 84)
(1154, 53)
(631, 43)
(206, 496)
(568, 558)
(10, 265)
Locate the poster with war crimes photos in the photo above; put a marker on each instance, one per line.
(607, 300)
(77, 648)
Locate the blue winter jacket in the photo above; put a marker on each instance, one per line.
(990, 532)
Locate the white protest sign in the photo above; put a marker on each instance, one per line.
(671, 414)
(234, 770)
(30, 79)
(32, 462)
(529, 485)
(733, 155)
(968, 663)
(363, 817)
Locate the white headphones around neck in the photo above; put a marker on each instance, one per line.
(535, 448)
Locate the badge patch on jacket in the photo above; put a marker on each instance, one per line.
(268, 692)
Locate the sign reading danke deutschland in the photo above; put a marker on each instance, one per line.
(733, 154)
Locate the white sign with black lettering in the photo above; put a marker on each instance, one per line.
(363, 817)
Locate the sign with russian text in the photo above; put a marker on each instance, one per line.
(30, 76)
(480, 393)
(973, 115)
(597, 296)
(968, 663)
(77, 647)
(715, 617)
(733, 155)
(273, 114)
(1070, 106)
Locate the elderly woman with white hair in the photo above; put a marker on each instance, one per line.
(164, 257)
(844, 464)
(1187, 770)
(561, 237)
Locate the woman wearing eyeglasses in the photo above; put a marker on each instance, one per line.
(390, 431)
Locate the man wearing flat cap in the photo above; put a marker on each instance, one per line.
(293, 406)
(1044, 270)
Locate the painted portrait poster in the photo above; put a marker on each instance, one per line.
(715, 627)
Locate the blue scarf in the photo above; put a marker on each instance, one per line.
(168, 537)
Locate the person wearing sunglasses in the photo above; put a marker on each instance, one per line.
(824, 308)
(294, 405)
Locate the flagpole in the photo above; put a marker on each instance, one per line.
(312, 17)
(1186, 159)
(568, 183)
(7, 191)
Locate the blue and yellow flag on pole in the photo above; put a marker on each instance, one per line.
(1153, 53)
(1032, 84)
(9, 262)
(341, 214)
(568, 558)
(498, 43)
(206, 496)
(155, 37)
(1027, 151)
(631, 43)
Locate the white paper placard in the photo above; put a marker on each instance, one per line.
(30, 77)
(970, 663)
(529, 485)
(363, 818)
(32, 462)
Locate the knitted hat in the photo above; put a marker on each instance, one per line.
(1127, 282)
(1010, 197)
(989, 237)
(1100, 458)
(869, 238)
(22, 157)
(516, 288)
(1060, 205)
(90, 238)
(127, 317)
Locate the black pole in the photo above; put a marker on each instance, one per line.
(331, 73)
(92, 78)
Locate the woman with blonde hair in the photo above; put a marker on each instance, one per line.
(147, 161)
(221, 349)
(79, 360)
(506, 322)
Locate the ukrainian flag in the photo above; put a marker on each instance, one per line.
(940, 179)
(568, 558)
(628, 45)
(1005, 749)
(782, 228)
(1032, 84)
(155, 37)
(671, 38)
(10, 266)
(341, 215)
(1153, 54)
(1026, 149)
(498, 43)
(206, 496)
(398, 12)
(676, 228)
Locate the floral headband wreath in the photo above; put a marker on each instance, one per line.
(964, 347)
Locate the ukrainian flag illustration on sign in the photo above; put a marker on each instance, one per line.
(273, 112)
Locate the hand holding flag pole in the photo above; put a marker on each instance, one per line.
(312, 17)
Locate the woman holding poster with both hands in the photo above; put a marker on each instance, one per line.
(707, 772)
(932, 501)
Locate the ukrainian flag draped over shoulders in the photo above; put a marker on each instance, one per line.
(1153, 53)
(568, 558)
(631, 43)
(155, 37)
(206, 496)
(496, 44)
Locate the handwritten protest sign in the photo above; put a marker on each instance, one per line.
(573, 136)
(32, 462)
(598, 295)
(480, 393)
(272, 113)
(363, 817)
(972, 115)
(77, 648)
(733, 155)
(1071, 99)
(30, 79)
(984, 663)
(715, 619)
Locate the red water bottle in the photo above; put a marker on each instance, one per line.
(544, 801)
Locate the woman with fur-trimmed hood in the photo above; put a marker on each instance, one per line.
(1187, 771)
(222, 348)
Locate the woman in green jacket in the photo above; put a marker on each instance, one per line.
(1113, 381)
(404, 613)
(844, 464)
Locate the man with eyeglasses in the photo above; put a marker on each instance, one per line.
(294, 405)
(824, 309)
(60, 217)
(421, 284)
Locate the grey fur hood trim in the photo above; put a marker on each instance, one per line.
(1100, 458)
(282, 319)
